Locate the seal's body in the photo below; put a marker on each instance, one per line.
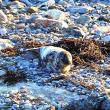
(54, 58)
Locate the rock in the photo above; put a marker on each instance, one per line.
(3, 17)
(75, 32)
(5, 43)
(27, 2)
(107, 83)
(10, 17)
(20, 25)
(23, 89)
(16, 5)
(33, 9)
(2, 72)
(56, 14)
(106, 38)
(105, 105)
(104, 18)
(87, 103)
(83, 19)
(80, 10)
(15, 106)
(27, 106)
(58, 59)
(50, 3)
(101, 29)
(3, 31)
(51, 23)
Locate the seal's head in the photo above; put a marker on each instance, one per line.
(65, 61)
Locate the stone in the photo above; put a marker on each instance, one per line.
(83, 19)
(3, 31)
(50, 3)
(2, 72)
(105, 105)
(106, 38)
(23, 89)
(56, 14)
(51, 23)
(101, 29)
(15, 106)
(5, 43)
(27, 106)
(20, 25)
(33, 9)
(16, 5)
(85, 103)
(107, 83)
(3, 17)
(104, 18)
(10, 17)
(57, 58)
(80, 9)
(75, 32)
(27, 2)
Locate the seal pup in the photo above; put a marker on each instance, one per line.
(54, 58)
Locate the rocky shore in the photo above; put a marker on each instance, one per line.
(54, 55)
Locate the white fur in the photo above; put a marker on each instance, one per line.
(44, 51)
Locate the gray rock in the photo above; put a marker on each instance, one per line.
(51, 23)
(105, 105)
(107, 83)
(27, 2)
(56, 14)
(75, 32)
(15, 106)
(106, 38)
(3, 31)
(2, 72)
(87, 103)
(83, 19)
(81, 9)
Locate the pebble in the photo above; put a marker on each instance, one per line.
(3, 17)
(33, 9)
